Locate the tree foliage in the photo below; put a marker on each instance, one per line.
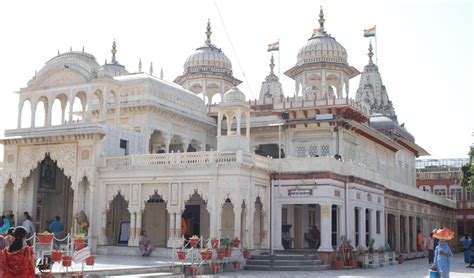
(467, 171)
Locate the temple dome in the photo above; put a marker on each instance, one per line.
(321, 47)
(234, 95)
(208, 58)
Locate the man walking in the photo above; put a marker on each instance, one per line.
(57, 228)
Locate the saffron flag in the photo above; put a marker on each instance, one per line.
(369, 32)
(274, 46)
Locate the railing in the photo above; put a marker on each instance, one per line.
(186, 160)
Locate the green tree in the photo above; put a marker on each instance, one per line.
(467, 171)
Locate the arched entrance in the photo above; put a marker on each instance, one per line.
(155, 220)
(228, 220)
(118, 221)
(195, 218)
(47, 193)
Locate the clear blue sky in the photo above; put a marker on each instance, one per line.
(424, 48)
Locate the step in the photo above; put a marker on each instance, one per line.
(286, 268)
(148, 275)
(285, 262)
(284, 257)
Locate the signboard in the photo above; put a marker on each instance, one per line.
(300, 192)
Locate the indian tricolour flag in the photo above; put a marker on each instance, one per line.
(369, 32)
(274, 46)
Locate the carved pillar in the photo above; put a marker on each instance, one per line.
(219, 123)
(174, 231)
(138, 227)
(324, 88)
(326, 229)
(103, 108)
(362, 230)
(186, 142)
(20, 109)
(237, 220)
(167, 137)
(239, 120)
(276, 229)
(71, 109)
(63, 112)
(397, 233)
(131, 240)
(33, 114)
(103, 229)
(407, 234)
(247, 134)
(48, 108)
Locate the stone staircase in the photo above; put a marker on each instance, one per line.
(282, 262)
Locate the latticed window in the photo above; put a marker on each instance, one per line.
(300, 151)
(325, 150)
(313, 151)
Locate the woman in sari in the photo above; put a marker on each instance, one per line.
(466, 245)
(145, 245)
(18, 260)
(443, 254)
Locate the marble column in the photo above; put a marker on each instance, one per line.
(138, 225)
(174, 227)
(407, 234)
(237, 220)
(186, 142)
(131, 240)
(362, 230)
(33, 114)
(326, 229)
(397, 234)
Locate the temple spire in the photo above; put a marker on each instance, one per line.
(161, 74)
(370, 54)
(321, 19)
(272, 64)
(151, 68)
(114, 50)
(140, 65)
(208, 32)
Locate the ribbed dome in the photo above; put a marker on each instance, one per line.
(112, 70)
(321, 47)
(208, 59)
(234, 95)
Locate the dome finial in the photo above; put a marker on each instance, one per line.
(370, 54)
(208, 32)
(272, 64)
(114, 50)
(140, 65)
(321, 19)
(161, 74)
(151, 68)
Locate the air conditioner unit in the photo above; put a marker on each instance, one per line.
(324, 117)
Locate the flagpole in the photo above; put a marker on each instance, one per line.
(376, 51)
(278, 58)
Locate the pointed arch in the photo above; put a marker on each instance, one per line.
(26, 114)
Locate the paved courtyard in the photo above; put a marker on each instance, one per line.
(415, 268)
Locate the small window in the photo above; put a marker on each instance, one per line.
(124, 146)
(313, 151)
(301, 151)
(325, 150)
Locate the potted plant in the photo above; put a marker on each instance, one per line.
(228, 250)
(246, 253)
(206, 254)
(182, 255)
(56, 255)
(370, 245)
(345, 246)
(236, 242)
(194, 241)
(400, 259)
(221, 253)
(214, 267)
(194, 269)
(214, 243)
(45, 238)
(67, 261)
(236, 264)
(337, 263)
(90, 260)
